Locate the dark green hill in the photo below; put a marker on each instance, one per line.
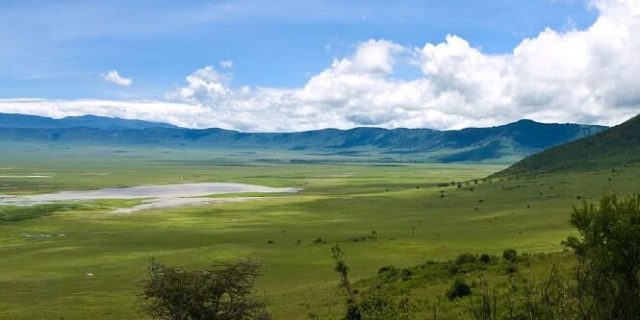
(505, 143)
(619, 145)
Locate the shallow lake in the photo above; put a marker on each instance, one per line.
(169, 195)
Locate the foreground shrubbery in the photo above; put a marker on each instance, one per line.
(608, 251)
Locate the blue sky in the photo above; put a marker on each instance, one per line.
(294, 65)
(58, 49)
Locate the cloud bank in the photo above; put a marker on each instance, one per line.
(586, 76)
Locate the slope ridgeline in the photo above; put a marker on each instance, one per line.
(617, 146)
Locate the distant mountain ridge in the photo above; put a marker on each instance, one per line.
(508, 142)
(23, 121)
(617, 146)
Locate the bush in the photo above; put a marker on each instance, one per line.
(485, 258)
(459, 289)
(608, 253)
(510, 255)
(387, 269)
(546, 300)
(380, 305)
(406, 274)
(220, 292)
(466, 258)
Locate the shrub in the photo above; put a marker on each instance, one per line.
(485, 258)
(459, 289)
(223, 291)
(387, 269)
(380, 305)
(406, 274)
(466, 258)
(609, 257)
(510, 255)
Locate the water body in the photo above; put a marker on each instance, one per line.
(157, 196)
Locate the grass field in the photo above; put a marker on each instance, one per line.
(404, 212)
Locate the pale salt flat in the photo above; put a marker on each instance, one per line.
(157, 196)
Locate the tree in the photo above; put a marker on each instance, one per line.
(222, 292)
(376, 305)
(608, 252)
(353, 312)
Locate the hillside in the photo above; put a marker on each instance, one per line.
(617, 146)
(505, 143)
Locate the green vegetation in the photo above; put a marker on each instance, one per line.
(458, 290)
(18, 213)
(510, 255)
(607, 150)
(85, 262)
(608, 252)
(222, 292)
(599, 280)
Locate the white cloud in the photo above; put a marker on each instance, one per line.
(587, 76)
(180, 114)
(226, 64)
(114, 77)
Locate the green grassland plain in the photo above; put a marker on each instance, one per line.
(86, 262)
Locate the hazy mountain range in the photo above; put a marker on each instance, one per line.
(508, 142)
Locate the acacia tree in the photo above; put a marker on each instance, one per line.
(343, 271)
(222, 292)
(376, 305)
(608, 250)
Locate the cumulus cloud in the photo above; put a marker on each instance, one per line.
(587, 76)
(226, 64)
(114, 77)
(181, 114)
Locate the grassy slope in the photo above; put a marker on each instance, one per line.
(44, 277)
(618, 146)
(428, 282)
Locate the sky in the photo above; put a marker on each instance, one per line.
(293, 65)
